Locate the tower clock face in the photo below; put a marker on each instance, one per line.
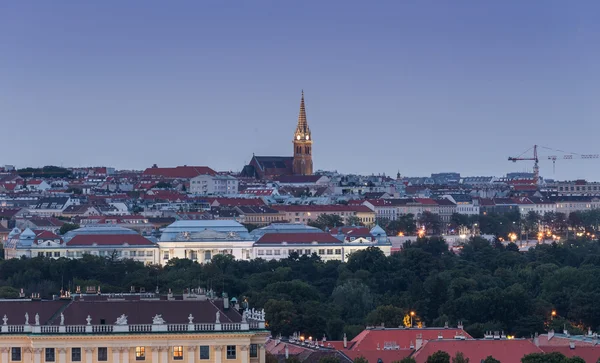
(307, 137)
(298, 137)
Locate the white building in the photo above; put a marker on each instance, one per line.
(200, 240)
(213, 184)
(98, 241)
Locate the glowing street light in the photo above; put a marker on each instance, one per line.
(412, 313)
(552, 314)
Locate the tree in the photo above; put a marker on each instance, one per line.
(270, 358)
(329, 359)
(407, 360)
(67, 227)
(431, 222)
(360, 359)
(292, 359)
(327, 220)
(438, 357)
(163, 185)
(554, 357)
(490, 359)
(459, 357)
(388, 315)
(354, 221)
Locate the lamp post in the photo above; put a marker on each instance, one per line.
(552, 314)
(412, 313)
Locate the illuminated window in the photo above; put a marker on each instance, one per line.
(178, 353)
(140, 353)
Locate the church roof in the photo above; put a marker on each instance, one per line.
(274, 162)
(302, 123)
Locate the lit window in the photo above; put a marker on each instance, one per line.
(178, 353)
(140, 353)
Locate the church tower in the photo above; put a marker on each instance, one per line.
(302, 144)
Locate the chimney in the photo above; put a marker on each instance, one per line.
(22, 294)
(571, 345)
(536, 340)
(419, 342)
(440, 336)
(589, 332)
(460, 325)
(446, 325)
(345, 341)
(287, 352)
(412, 346)
(496, 335)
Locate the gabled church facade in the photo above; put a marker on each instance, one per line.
(266, 167)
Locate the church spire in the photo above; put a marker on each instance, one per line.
(302, 124)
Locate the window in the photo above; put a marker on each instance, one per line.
(193, 255)
(133, 253)
(140, 353)
(15, 354)
(204, 352)
(277, 252)
(75, 354)
(50, 355)
(48, 254)
(102, 354)
(40, 254)
(269, 252)
(253, 351)
(330, 252)
(207, 255)
(231, 352)
(56, 254)
(321, 252)
(338, 251)
(166, 255)
(307, 252)
(178, 353)
(261, 252)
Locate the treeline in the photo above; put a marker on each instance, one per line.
(487, 287)
(45, 172)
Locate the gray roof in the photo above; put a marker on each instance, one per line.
(198, 230)
(283, 228)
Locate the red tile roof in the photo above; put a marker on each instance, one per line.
(477, 350)
(369, 339)
(109, 240)
(46, 235)
(180, 172)
(590, 354)
(298, 238)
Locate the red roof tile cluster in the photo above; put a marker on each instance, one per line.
(179, 172)
(371, 339)
(591, 354)
(477, 350)
(297, 179)
(109, 240)
(322, 208)
(46, 235)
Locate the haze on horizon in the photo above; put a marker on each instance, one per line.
(414, 86)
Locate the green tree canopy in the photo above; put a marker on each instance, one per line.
(438, 357)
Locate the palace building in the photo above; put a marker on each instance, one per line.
(92, 327)
(266, 167)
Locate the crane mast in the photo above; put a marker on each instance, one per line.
(536, 167)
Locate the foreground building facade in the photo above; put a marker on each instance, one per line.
(92, 328)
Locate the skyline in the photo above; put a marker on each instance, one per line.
(411, 87)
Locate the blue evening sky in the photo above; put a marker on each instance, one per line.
(415, 86)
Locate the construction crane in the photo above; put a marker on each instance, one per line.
(535, 159)
(536, 167)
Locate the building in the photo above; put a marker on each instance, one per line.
(578, 188)
(310, 213)
(53, 206)
(200, 240)
(92, 327)
(102, 241)
(301, 163)
(213, 184)
(275, 246)
(180, 172)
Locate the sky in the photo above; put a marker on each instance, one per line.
(411, 86)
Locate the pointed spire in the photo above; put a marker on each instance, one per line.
(302, 124)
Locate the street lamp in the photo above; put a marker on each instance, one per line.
(412, 313)
(552, 314)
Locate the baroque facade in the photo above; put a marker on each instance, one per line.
(123, 328)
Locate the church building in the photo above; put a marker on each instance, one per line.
(265, 167)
